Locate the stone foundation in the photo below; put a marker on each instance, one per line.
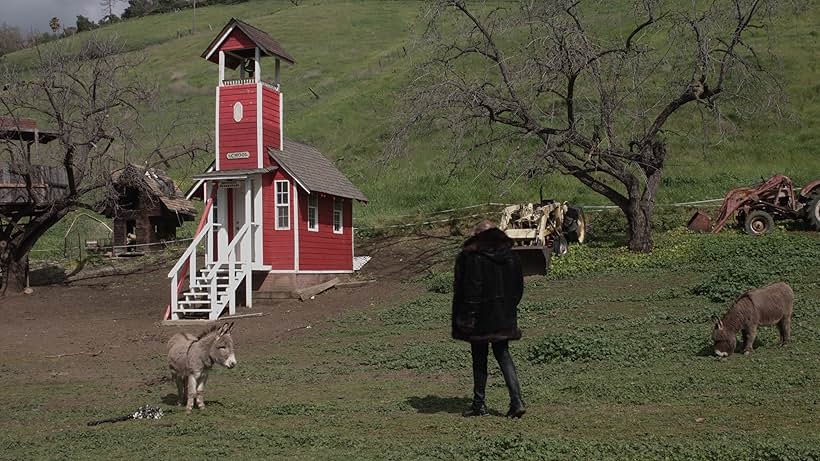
(281, 286)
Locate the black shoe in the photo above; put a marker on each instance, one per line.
(517, 410)
(475, 411)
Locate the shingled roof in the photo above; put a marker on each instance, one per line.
(157, 183)
(313, 171)
(266, 44)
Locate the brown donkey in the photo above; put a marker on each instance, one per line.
(765, 306)
(191, 357)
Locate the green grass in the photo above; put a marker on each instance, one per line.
(358, 55)
(614, 364)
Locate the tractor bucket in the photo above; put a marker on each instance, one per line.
(535, 260)
(700, 222)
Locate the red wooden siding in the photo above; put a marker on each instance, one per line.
(277, 244)
(237, 40)
(237, 136)
(324, 250)
(271, 123)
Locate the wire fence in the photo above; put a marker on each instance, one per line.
(80, 245)
(81, 248)
(707, 203)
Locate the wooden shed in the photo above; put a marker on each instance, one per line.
(148, 209)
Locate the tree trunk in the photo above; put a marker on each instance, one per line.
(14, 275)
(14, 255)
(641, 204)
(639, 224)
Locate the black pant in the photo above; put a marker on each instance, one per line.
(502, 355)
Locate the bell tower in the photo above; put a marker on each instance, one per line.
(249, 116)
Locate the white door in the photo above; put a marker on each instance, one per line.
(238, 209)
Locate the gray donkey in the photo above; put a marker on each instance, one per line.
(765, 306)
(191, 357)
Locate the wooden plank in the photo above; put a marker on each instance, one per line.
(306, 293)
(354, 284)
(242, 316)
(182, 323)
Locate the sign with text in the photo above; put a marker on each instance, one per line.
(237, 155)
(230, 184)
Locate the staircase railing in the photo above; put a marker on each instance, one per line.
(178, 279)
(187, 265)
(229, 259)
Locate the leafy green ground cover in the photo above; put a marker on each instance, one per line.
(614, 364)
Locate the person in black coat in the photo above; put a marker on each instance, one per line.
(487, 287)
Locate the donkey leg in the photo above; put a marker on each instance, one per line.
(785, 329)
(200, 391)
(190, 394)
(751, 334)
(180, 389)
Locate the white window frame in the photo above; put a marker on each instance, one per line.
(340, 211)
(313, 211)
(279, 205)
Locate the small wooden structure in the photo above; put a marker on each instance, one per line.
(27, 189)
(149, 208)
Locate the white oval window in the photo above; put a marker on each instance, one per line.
(237, 111)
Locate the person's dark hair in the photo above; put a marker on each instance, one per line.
(482, 226)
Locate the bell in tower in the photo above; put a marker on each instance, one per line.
(248, 68)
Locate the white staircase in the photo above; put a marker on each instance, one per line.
(211, 285)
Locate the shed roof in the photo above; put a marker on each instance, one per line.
(158, 184)
(313, 171)
(266, 44)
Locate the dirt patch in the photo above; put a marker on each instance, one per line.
(106, 329)
(409, 256)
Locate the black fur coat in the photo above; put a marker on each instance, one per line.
(487, 287)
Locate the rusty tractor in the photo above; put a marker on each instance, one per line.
(758, 207)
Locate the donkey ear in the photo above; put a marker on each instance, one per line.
(230, 327)
(222, 330)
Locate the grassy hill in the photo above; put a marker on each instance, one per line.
(357, 56)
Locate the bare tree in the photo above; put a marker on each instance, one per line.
(108, 7)
(91, 99)
(588, 99)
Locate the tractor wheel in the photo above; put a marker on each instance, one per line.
(758, 222)
(741, 218)
(559, 245)
(574, 227)
(813, 211)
